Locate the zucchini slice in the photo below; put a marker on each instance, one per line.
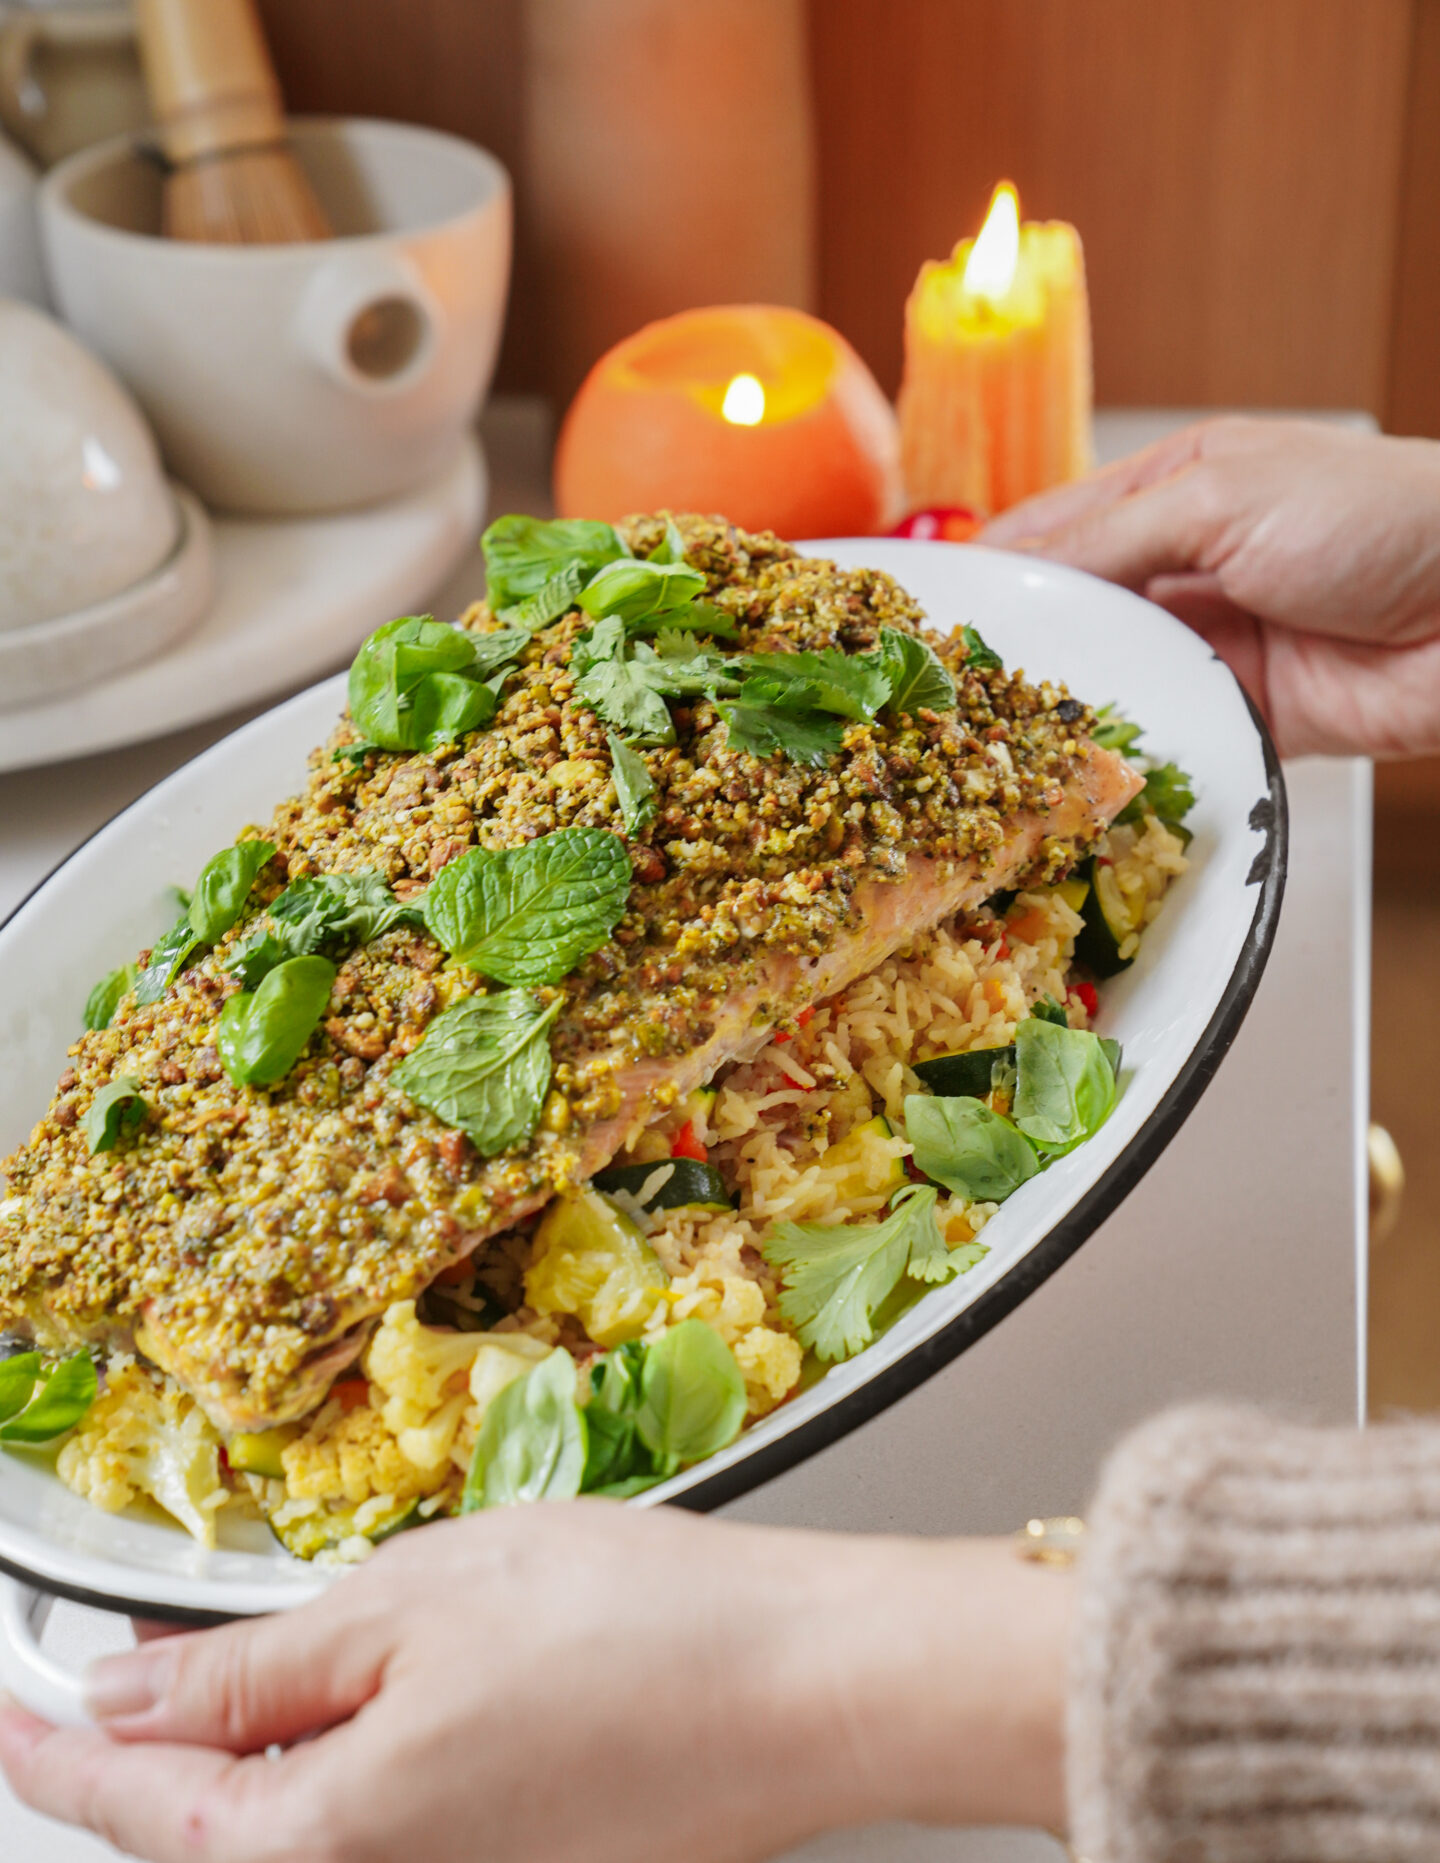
(1109, 921)
(967, 1075)
(866, 1173)
(258, 1452)
(689, 1185)
(322, 1532)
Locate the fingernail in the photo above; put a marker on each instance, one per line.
(117, 1686)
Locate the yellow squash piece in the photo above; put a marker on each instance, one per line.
(591, 1260)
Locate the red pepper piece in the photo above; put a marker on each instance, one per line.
(1090, 1002)
(686, 1145)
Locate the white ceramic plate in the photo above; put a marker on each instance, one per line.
(1176, 1011)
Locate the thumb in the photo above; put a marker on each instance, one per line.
(246, 1686)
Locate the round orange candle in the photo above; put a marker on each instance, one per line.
(760, 413)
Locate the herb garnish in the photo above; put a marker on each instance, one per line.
(104, 999)
(1065, 1085)
(36, 1405)
(116, 1112)
(523, 553)
(417, 684)
(214, 906)
(837, 1274)
(918, 678)
(972, 1151)
(261, 1034)
(805, 737)
(484, 1067)
(528, 915)
(531, 1445)
(978, 656)
(329, 913)
(634, 786)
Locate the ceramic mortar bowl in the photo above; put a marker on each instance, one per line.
(300, 378)
(85, 512)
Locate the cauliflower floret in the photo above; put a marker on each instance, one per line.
(353, 1456)
(735, 1306)
(143, 1436)
(433, 1384)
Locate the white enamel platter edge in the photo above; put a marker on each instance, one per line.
(1176, 1011)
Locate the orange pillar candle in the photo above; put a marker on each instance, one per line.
(760, 413)
(997, 397)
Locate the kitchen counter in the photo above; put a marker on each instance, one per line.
(1237, 1267)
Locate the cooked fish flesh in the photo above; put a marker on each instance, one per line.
(246, 1238)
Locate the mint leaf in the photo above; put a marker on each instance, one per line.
(809, 738)
(1065, 1085)
(850, 685)
(531, 1446)
(104, 999)
(261, 1036)
(634, 787)
(523, 553)
(484, 1068)
(917, 677)
(971, 1150)
(116, 1112)
(836, 1275)
(528, 915)
(977, 655)
(58, 1404)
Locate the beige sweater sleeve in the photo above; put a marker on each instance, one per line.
(1257, 1656)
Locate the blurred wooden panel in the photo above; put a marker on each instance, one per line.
(1414, 403)
(455, 64)
(1233, 167)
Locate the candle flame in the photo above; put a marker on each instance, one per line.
(990, 269)
(744, 403)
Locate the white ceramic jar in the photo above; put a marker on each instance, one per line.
(297, 378)
(84, 509)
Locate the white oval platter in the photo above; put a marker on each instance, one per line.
(1176, 1011)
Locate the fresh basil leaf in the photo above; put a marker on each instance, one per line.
(1114, 1053)
(1167, 793)
(634, 786)
(977, 655)
(809, 738)
(1065, 1085)
(224, 886)
(836, 1275)
(18, 1378)
(262, 1034)
(614, 1453)
(555, 597)
(624, 1490)
(58, 1405)
(330, 913)
(167, 960)
(639, 591)
(1048, 1010)
(671, 548)
(105, 998)
(417, 684)
(116, 1112)
(692, 1395)
(484, 1068)
(918, 679)
(972, 1151)
(531, 1446)
(523, 553)
(528, 915)
(852, 685)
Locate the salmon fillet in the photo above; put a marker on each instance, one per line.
(247, 1238)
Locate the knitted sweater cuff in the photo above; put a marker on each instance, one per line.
(1257, 1655)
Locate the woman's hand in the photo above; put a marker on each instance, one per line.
(580, 1681)
(1308, 556)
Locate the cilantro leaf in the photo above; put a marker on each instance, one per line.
(836, 1275)
(627, 683)
(1167, 793)
(977, 655)
(1114, 732)
(528, 915)
(117, 1111)
(634, 787)
(484, 1067)
(852, 685)
(523, 553)
(918, 678)
(329, 913)
(810, 738)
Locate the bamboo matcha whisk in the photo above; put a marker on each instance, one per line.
(213, 89)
